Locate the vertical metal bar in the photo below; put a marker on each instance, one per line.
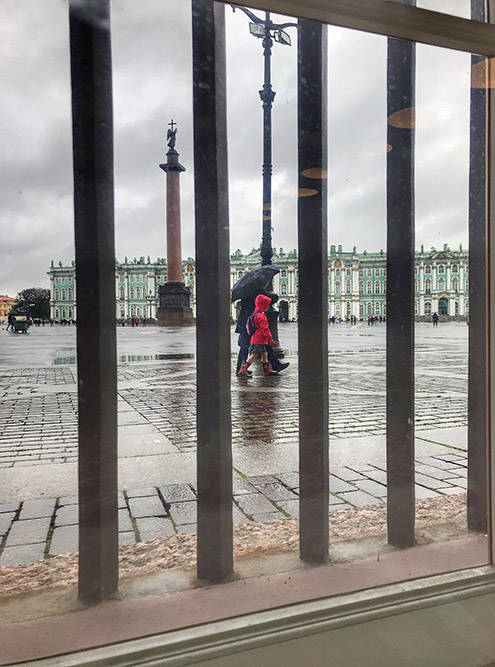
(214, 454)
(91, 78)
(400, 292)
(313, 290)
(490, 199)
(478, 316)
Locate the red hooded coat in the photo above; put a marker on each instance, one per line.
(262, 335)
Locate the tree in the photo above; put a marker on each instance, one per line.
(33, 302)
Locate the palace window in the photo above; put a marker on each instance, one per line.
(240, 274)
(283, 273)
(377, 287)
(361, 287)
(70, 313)
(369, 273)
(384, 286)
(455, 268)
(377, 272)
(122, 294)
(337, 273)
(416, 308)
(377, 308)
(369, 309)
(427, 307)
(337, 309)
(347, 272)
(441, 285)
(283, 289)
(361, 273)
(441, 268)
(415, 286)
(138, 292)
(191, 277)
(132, 292)
(428, 286)
(428, 268)
(347, 286)
(348, 309)
(361, 309)
(69, 293)
(337, 288)
(57, 295)
(455, 285)
(63, 295)
(57, 313)
(369, 287)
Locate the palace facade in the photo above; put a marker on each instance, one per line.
(357, 283)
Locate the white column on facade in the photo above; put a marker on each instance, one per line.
(434, 304)
(331, 309)
(421, 278)
(434, 278)
(52, 298)
(462, 296)
(451, 305)
(449, 277)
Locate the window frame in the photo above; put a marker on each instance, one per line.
(386, 604)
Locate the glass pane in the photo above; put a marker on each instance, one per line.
(157, 362)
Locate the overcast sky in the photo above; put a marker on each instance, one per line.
(151, 42)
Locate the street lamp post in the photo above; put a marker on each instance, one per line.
(268, 31)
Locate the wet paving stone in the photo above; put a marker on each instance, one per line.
(35, 509)
(184, 513)
(6, 519)
(65, 539)
(29, 531)
(22, 555)
(147, 507)
(173, 493)
(255, 503)
(152, 527)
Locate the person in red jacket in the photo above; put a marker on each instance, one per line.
(261, 338)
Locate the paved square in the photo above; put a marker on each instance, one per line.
(157, 439)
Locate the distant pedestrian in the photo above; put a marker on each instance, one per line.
(11, 320)
(435, 319)
(261, 338)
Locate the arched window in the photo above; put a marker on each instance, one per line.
(122, 312)
(361, 287)
(361, 309)
(377, 287)
(138, 292)
(361, 273)
(70, 313)
(369, 273)
(441, 285)
(133, 311)
(441, 268)
(415, 286)
(427, 307)
(428, 268)
(369, 287)
(455, 285)
(69, 294)
(63, 296)
(132, 292)
(348, 309)
(347, 286)
(347, 272)
(122, 294)
(191, 277)
(240, 274)
(368, 309)
(283, 289)
(57, 295)
(428, 286)
(283, 273)
(457, 307)
(64, 313)
(377, 272)
(138, 312)
(377, 308)
(455, 268)
(384, 286)
(337, 289)
(57, 315)
(337, 309)
(337, 273)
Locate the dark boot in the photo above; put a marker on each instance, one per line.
(268, 369)
(281, 367)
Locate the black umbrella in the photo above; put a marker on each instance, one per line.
(253, 280)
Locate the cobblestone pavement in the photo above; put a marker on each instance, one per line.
(38, 426)
(40, 528)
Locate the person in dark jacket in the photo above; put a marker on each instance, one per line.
(247, 307)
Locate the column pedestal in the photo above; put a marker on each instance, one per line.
(175, 308)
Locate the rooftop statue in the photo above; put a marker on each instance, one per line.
(171, 135)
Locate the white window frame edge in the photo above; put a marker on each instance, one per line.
(324, 622)
(386, 605)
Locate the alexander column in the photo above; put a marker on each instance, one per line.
(174, 295)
